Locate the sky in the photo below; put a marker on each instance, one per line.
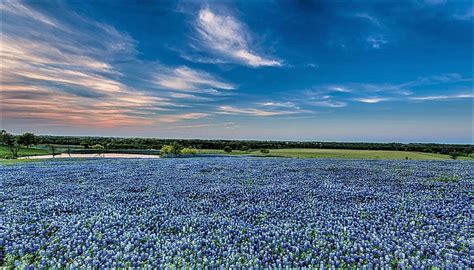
(381, 71)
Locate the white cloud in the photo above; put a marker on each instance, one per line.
(372, 100)
(376, 41)
(225, 36)
(279, 104)
(339, 89)
(465, 16)
(58, 73)
(180, 117)
(251, 111)
(328, 103)
(186, 79)
(370, 18)
(21, 10)
(444, 97)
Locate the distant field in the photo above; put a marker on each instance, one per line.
(5, 152)
(294, 152)
(340, 153)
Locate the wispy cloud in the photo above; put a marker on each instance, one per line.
(372, 100)
(285, 104)
(225, 125)
(186, 79)
(229, 40)
(443, 97)
(376, 41)
(466, 16)
(328, 103)
(369, 18)
(251, 111)
(55, 72)
(178, 117)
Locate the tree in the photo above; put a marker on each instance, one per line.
(227, 149)
(52, 150)
(264, 151)
(99, 148)
(9, 140)
(27, 139)
(84, 144)
(173, 149)
(454, 155)
(6, 138)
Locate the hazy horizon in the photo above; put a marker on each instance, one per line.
(300, 71)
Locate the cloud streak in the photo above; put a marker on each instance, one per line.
(56, 73)
(228, 39)
(231, 110)
(443, 97)
(186, 79)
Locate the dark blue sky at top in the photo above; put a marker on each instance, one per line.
(301, 70)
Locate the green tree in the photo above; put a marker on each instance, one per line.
(454, 155)
(84, 144)
(52, 150)
(6, 138)
(227, 149)
(27, 139)
(173, 149)
(9, 140)
(264, 151)
(99, 148)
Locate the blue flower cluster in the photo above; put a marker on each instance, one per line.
(236, 212)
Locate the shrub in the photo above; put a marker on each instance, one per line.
(454, 155)
(264, 151)
(227, 149)
(188, 151)
(173, 149)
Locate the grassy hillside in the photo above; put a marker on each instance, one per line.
(5, 152)
(341, 153)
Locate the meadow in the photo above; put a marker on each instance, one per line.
(23, 151)
(292, 152)
(236, 212)
(339, 153)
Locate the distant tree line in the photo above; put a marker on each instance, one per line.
(246, 145)
(114, 143)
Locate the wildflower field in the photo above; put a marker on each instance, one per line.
(236, 212)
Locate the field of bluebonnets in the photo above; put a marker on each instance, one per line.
(237, 212)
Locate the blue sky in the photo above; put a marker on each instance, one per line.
(284, 70)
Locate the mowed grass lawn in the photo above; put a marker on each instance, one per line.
(340, 153)
(5, 152)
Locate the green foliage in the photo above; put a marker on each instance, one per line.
(84, 144)
(157, 143)
(27, 139)
(264, 151)
(52, 150)
(6, 138)
(454, 155)
(173, 149)
(188, 151)
(98, 147)
(227, 149)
